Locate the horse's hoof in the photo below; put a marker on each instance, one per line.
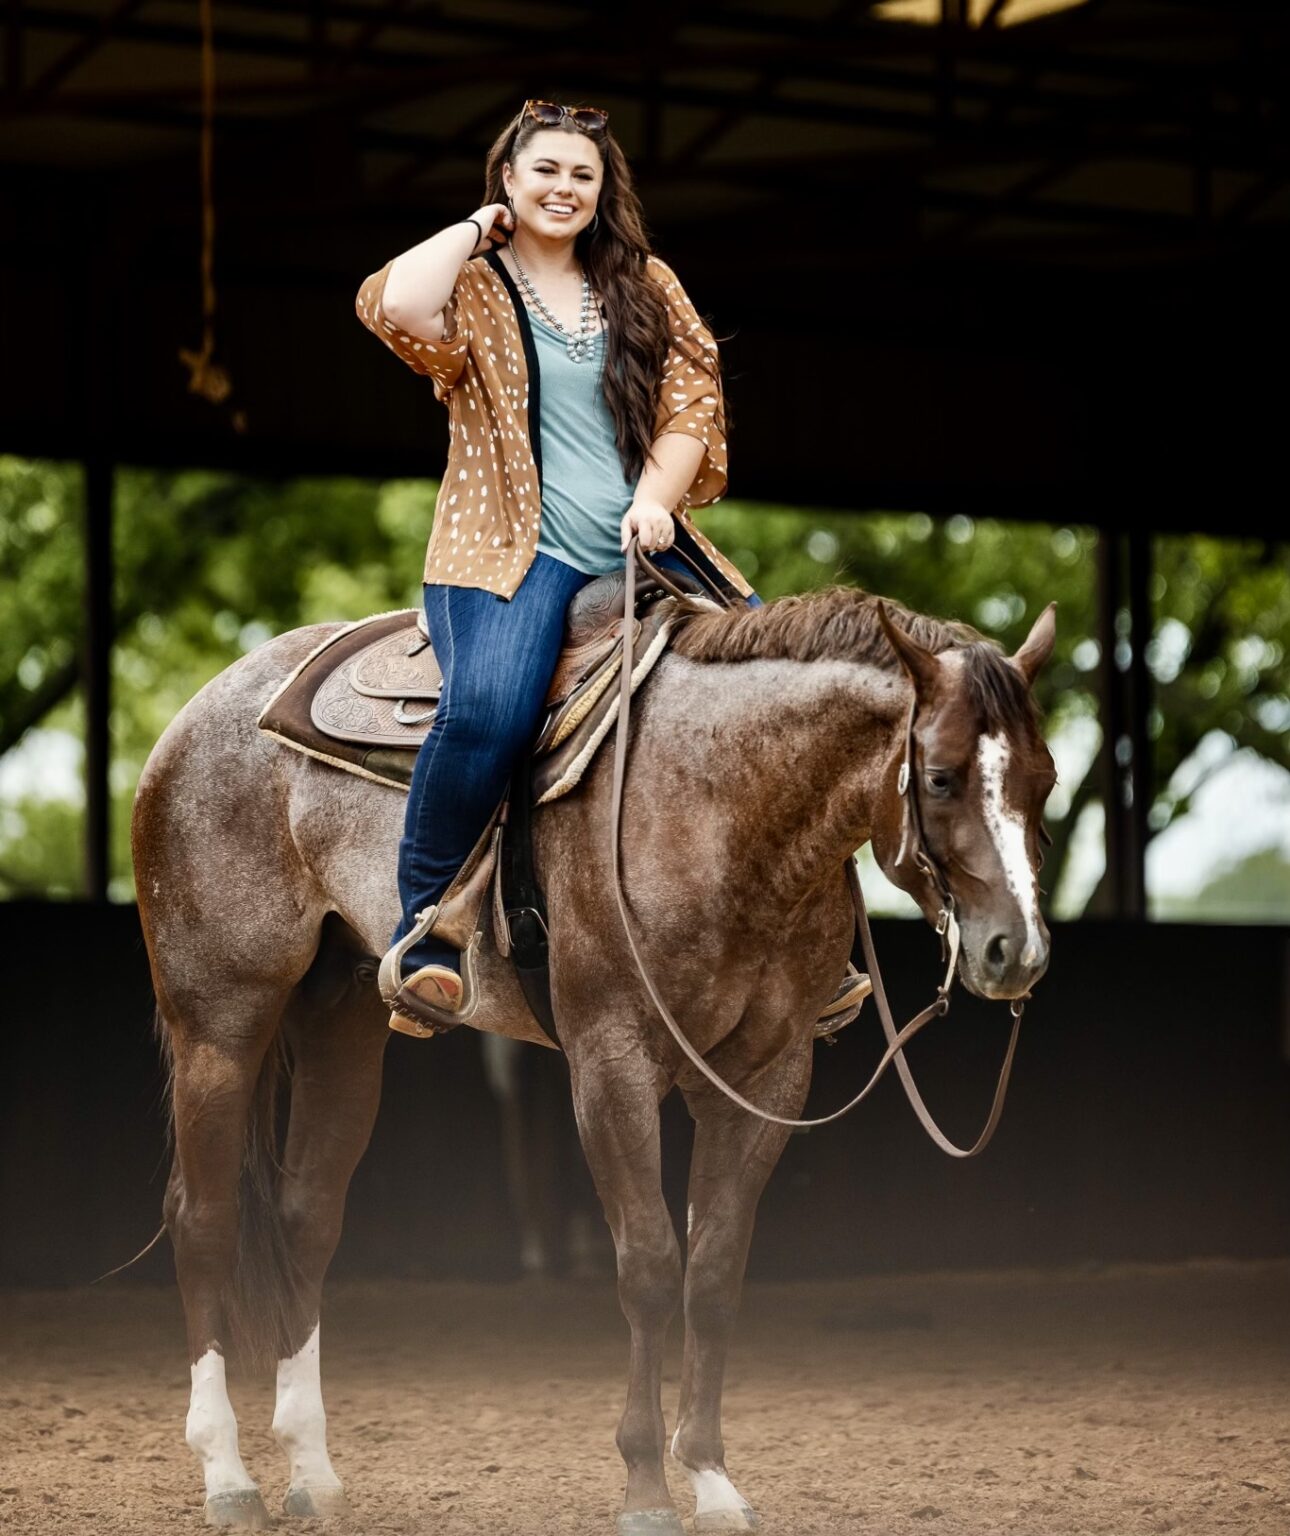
(650, 1522)
(320, 1503)
(744, 1519)
(243, 1509)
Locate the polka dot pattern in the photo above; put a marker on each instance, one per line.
(485, 528)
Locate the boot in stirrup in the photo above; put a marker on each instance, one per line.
(434, 998)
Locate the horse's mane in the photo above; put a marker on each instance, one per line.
(841, 624)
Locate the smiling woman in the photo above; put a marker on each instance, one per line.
(586, 408)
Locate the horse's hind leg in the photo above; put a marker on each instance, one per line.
(223, 1073)
(616, 1097)
(336, 1029)
(733, 1156)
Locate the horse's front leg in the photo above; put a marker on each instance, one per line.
(733, 1156)
(616, 1092)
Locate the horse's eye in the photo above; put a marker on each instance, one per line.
(939, 782)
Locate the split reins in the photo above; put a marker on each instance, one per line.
(947, 928)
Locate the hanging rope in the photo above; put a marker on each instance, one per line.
(207, 377)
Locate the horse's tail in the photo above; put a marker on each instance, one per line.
(262, 1302)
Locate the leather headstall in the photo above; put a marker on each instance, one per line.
(913, 842)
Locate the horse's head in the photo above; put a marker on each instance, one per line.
(966, 818)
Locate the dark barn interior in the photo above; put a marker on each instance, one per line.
(1044, 249)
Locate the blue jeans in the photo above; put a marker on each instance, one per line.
(497, 658)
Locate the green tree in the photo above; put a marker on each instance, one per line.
(42, 581)
(1218, 656)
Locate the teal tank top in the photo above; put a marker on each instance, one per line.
(584, 491)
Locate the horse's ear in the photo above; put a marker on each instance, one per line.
(1037, 647)
(916, 659)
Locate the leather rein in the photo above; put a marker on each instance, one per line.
(912, 843)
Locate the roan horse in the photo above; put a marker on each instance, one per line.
(766, 747)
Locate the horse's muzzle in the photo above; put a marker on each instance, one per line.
(1001, 963)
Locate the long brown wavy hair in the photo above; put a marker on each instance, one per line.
(637, 337)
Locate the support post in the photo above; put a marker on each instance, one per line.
(1124, 628)
(1141, 767)
(13, 50)
(1111, 701)
(96, 672)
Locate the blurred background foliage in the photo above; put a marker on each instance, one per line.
(208, 565)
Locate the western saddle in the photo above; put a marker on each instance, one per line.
(365, 698)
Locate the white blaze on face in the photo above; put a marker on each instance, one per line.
(1008, 831)
(299, 1420)
(211, 1429)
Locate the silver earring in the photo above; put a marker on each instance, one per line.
(511, 207)
(595, 222)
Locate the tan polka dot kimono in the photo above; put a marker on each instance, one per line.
(485, 528)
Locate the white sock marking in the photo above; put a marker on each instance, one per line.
(714, 1493)
(211, 1429)
(1009, 834)
(299, 1419)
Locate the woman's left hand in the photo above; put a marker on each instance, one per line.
(652, 524)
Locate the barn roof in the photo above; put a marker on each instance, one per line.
(1048, 236)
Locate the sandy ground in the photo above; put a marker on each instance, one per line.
(1108, 1401)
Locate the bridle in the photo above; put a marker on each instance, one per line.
(913, 844)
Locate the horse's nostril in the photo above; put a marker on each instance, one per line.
(998, 953)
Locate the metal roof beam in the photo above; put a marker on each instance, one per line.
(1101, 127)
(95, 35)
(969, 143)
(813, 54)
(358, 49)
(770, 80)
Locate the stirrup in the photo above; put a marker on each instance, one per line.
(845, 1004)
(423, 1018)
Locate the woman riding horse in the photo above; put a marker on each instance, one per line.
(586, 407)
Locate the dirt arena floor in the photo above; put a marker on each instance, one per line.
(1116, 1401)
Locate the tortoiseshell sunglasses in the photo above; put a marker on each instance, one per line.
(593, 119)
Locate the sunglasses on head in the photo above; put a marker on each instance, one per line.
(549, 113)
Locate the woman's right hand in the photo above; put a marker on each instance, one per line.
(496, 221)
